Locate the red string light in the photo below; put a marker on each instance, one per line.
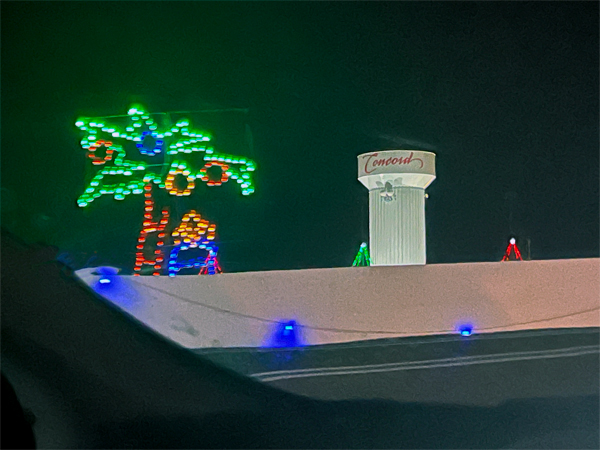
(211, 265)
(151, 226)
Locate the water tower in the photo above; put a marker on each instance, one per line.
(396, 180)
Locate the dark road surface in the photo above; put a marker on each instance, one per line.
(484, 369)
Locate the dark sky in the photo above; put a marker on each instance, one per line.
(506, 94)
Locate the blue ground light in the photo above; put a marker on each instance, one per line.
(466, 330)
(284, 345)
(111, 286)
(287, 334)
(107, 276)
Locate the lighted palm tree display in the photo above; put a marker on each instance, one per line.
(175, 147)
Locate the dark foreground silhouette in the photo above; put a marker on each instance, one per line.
(94, 377)
(16, 429)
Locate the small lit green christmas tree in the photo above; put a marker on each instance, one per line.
(362, 257)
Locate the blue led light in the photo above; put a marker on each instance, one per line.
(466, 330)
(211, 265)
(286, 334)
(199, 262)
(147, 151)
(107, 276)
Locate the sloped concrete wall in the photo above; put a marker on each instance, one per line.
(348, 304)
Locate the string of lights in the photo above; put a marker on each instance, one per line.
(151, 226)
(149, 140)
(192, 232)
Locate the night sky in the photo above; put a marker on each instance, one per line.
(506, 94)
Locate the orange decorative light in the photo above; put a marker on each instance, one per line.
(110, 149)
(180, 169)
(203, 174)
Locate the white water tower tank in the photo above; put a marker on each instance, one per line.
(396, 180)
